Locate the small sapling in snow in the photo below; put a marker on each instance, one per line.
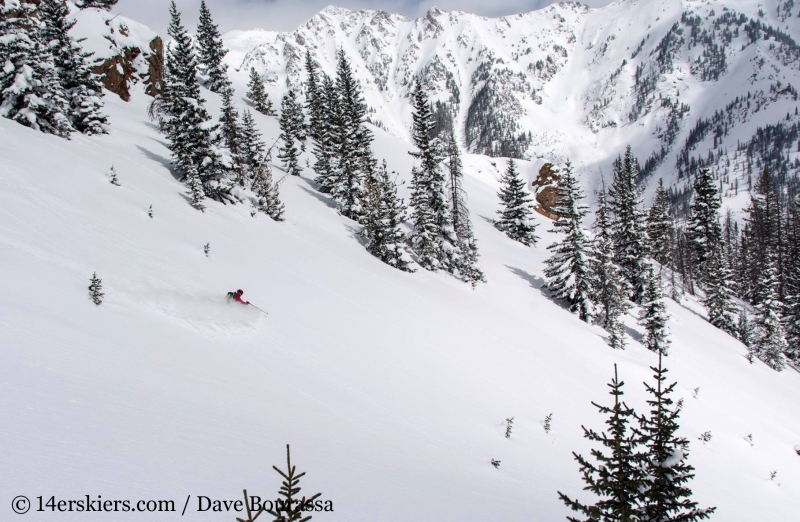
(150, 212)
(496, 463)
(509, 424)
(112, 176)
(696, 392)
(547, 422)
(96, 289)
(797, 449)
(705, 436)
(749, 439)
(207, 249)
(773, 474)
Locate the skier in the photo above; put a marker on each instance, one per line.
(237, 296)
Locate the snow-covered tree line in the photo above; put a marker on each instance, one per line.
(46, 81)
(227, 160)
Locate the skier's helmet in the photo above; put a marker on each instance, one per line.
(240, 291)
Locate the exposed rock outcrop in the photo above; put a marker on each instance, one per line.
(545, 188)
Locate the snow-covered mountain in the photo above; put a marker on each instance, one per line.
(676, 79)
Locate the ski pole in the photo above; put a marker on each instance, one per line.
(257, 308)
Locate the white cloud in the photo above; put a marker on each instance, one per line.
(285, 15)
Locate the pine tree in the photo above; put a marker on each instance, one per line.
(100, 4)
(353, 142)
(291, 133)
(791, 310)
(744, 332)
(185, 119)
(290, 508)
(466, 254)
(567, 269)
(266, 190)
(433, 234)
(251, 145)
(113, 178)
(616, 478)
(325, 138)
(659, 227)
(384, 214)
(515, 214)
(211, 52)
(30, 90)
(704, 232)
(96, 289)
(719, 294)
(82, 89)
(769, 341)
(630, 244)
(314, 99)
(653, 316)
(230, 133)
(666, 496)
(258, 94)
(611, 291)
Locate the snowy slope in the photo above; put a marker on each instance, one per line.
(391, 387)
(583, 82)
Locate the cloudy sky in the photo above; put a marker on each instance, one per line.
(285, 15)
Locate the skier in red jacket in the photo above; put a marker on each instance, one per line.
(237, 296)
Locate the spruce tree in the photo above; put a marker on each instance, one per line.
(610, 289)
(704, 232)
(96, 289)
(265, 188)
(433, 235)
(791, 310)
(212, 52)
(653, 316)
(630, 243)
(30, 89)
(251, 144)
(567, 269)
(291, 133)
(185, 119)
(769, 342)
(384, 214)
(744, 332)
(515, 215)
(466, 255)
(616, 477)
(325, 138)
(665, 495)
(230, 132)
(719, 294)
(314, 99)
(81, 87)
(659, 227)
(352, 139)
(258, 94)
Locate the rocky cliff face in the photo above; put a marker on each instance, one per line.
(126, 53)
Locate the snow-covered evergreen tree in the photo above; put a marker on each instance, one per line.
(325, 139)
(251, 146)
(610, 289)
(791, 309)
(568, 268)
(659, 227)
(616, 478)
(433, 234)
(769, 339)
(113, 178)
(665, 495)
(211, 52)
(230, 131)
(30, 89)
(96, 289)
(292, 133)
(258, 94)
(352, 139)
(719, 294)
(744, 332)
(265, 188)
(466, 255)
(384, 214)
(628, 225)
(186, 120)
(82, 89)
(515, 214)
(704, 232)
(653, 315)
(314, 99)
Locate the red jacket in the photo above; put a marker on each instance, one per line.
(238, 297)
